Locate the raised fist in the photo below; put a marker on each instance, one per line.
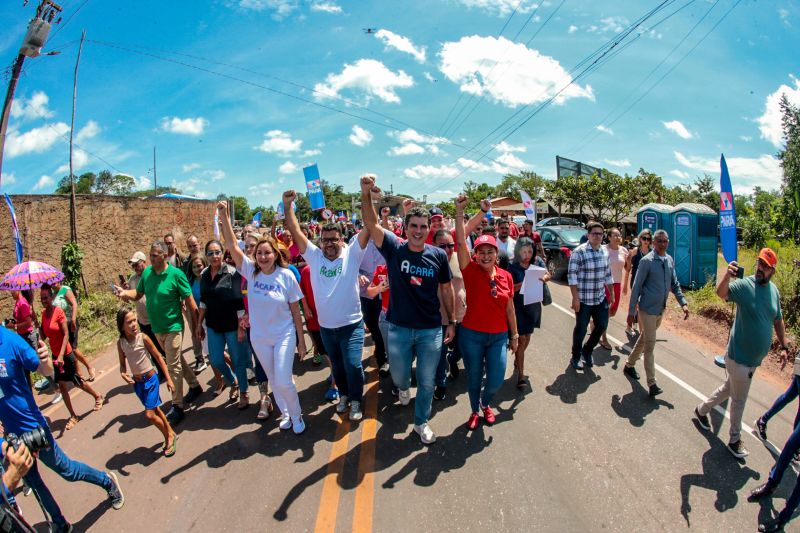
(486, 205)
(408, 203)
(461, 203)
(367, 182)
(289, 196)
(222, 205)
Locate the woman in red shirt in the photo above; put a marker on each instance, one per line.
(490, 316)
(54, 328)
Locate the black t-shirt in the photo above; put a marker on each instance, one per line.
(222, 298)
(414, 279)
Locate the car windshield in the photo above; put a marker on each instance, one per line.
(572, 235)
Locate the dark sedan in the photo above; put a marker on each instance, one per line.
(559, 221)
(558, 243)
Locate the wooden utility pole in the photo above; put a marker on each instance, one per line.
(155, 175)
(73, 217)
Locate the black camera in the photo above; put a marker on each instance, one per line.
(35, 440)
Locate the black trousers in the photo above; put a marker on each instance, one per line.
(371, 309)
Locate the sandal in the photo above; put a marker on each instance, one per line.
(233, 395)
(71, 423)
(98, 403)
(265, 408)
(244, 401)
(606, 345)
(522, 383)
(170, 451)
(92, 374)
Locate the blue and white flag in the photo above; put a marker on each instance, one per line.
(527, 203)
(17, 241)
(281, 214)
(314, 187)
(727, 214)
(257, 220)
(489, 215)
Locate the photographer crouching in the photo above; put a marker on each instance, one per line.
(21, 417)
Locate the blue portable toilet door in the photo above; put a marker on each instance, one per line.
(683, 248)
(649, 221)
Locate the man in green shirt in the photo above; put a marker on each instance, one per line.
(758, 312)
(166, 288)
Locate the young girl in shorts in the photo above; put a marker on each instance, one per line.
(134, 348)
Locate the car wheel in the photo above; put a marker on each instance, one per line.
(552, 266)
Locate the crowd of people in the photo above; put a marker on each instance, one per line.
(430, 296)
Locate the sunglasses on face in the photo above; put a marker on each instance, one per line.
(447, 246)
(645, 239)
(213, 253)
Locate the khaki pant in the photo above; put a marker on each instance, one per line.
(177, 365)
(736, 387)
(197, 345)
(646, 343)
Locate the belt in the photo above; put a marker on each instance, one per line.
(144, 377)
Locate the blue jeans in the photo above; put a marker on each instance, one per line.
(599, 314)
(483, 352)
(261, 376)
(785, 399)
(240, 356)
(69, 469)
(444, 362)
(345, 346)
(383, 325)
(426, 345)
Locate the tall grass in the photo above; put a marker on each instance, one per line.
(97, 315)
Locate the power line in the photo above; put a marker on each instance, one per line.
(61, 27)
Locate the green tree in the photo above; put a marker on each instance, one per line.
(241, 209)
(742, 204)
(706, 193)
(649, 187)
(83, 184)
(790, 161)
(576, 191)
(477, 192)
(512, 184)
(117, 184)
(555, 193)
(448, 208)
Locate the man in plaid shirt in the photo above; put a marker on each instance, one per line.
(589, 278)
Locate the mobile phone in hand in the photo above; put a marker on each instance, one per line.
(122, 280)
(740, 272)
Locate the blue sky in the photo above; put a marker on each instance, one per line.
(239, 95)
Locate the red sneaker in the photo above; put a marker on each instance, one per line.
(488, 416)
(472, 423)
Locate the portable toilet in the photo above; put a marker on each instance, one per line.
(693, 244)
(653, 217)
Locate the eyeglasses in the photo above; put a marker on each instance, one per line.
(596, 234)
(329, 240)
(446, 246)
(493, 285)
(645, 238)
(212, 253)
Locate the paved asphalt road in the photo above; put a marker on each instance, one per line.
(582, 451)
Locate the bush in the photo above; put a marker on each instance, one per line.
(754, 232)
(98, 327)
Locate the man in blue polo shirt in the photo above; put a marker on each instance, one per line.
(19, 413)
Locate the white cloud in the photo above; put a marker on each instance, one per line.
(280, 8)
(79, 161)
(680, 174)
(142, 183)
(326, 7)
(8, 179)
(745, 172)
(507, 72)
(769, 124)
(190, 167)
(508, 162)
(413, 142)
(429, 171)
(90, 130)
(45, 182)
(784, 16)
(746, 138)
(503, 8)
(36, 140)
(406, 149)
(473, 166)
(429, 77)
(505, 147)
(214, 175)
(184, 126)
(572, 28)
(403, 44)
(677, 127)
(604, 129)
(281, 143)
(309, 153)
(288, 168)
(190, 186)
(609, 25)
(31, 108)
(368, 76)
(360, 136)
(621, 163)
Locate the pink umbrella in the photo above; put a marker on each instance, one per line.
(30, 275)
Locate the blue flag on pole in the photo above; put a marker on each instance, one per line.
(727, 214)
(314, 187)
(17, 241)
(257, 220)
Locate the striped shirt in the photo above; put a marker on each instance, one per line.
(590, 270)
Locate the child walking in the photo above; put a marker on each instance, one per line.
(137, 349)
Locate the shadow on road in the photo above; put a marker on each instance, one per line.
(637, 404)
(571, 384)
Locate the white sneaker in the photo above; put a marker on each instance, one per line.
(355, 411)
(404, 396)
(286, 422)
(341, 407)
(426, 434)
(57, 398)
(298, 426)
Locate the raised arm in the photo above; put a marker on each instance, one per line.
(385, 217)
(475, 221)
(227, 232)
(461, 238)
(368, 214)
(722, 286)
(290, 221)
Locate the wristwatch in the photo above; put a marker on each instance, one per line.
(453, 322)
(514, 336)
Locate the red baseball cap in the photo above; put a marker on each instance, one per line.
(768, 256)
(485, 239)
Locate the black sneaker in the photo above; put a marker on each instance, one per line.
(577, 364)
(771, 526)
(588, 361)
(439, 393)
(395, 391)
(175, 415)
(115, 492)
(193, 394)
(454, 370)
(630, 372)
(383, 371)
(762, 491)
(737, 449)
(761, 428)
(703, 420)
(655, 390)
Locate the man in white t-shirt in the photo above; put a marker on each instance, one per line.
(504, 242)
(334, 279)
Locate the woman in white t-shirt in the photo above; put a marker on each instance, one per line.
(276, 326)
(617, 257)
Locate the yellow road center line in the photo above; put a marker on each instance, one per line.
(329, 501)
(365, 491)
